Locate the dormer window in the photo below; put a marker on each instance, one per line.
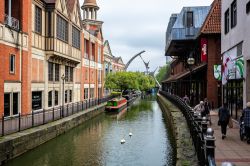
(190, 20)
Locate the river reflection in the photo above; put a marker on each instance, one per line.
(97, 142)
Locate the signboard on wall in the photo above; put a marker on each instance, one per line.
(203, 50)
(217, 72)
(233, 66)
(36, 100)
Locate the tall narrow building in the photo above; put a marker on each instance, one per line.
(92, 67)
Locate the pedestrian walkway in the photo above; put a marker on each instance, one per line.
(231, 149)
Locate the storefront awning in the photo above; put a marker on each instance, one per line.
(184, 74)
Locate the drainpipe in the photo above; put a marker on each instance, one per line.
(9, 13)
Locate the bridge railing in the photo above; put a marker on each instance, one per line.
(9, 125)
(202, 136)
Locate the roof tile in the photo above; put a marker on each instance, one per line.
(212, 24)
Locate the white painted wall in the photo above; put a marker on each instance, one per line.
(240, 33)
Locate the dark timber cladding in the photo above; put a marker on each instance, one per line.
(194, 32)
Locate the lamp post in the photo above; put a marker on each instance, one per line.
(63, 78)
(190, 62)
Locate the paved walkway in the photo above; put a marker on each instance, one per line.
(231, 149)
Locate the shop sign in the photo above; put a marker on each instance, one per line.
(233, 66)
(36, 100)
(203, 50)
(217, 72)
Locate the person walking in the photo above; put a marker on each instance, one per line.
(223, 119)
(246, 119)
(207, 109)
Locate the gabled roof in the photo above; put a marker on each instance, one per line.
(107, 46)
(212, 24)
(117, 59)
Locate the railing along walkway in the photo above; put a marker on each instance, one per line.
(202, 136)
(9, 125)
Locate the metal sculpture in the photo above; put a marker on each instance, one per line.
(146, 65)
(152, 74)
(139, 54)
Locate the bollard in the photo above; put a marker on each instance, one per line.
(204, 124)
(209, 145)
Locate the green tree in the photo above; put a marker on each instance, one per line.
(163, 73)
(129, 80)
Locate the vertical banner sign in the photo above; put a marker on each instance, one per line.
(203, 50)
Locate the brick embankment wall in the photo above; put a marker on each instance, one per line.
(185, 151)
(16, 144)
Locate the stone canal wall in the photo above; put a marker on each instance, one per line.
(185, 151)
(16, 144)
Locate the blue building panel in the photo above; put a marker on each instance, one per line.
(178, 29)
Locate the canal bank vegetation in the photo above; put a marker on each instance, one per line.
(121, 81)
(163, 72)
(185, 151)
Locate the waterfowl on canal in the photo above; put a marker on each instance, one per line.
(123, 141)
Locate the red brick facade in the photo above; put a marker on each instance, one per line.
(31, 70)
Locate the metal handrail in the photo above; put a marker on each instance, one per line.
(9, 125)
(202, 136)
(11, 22)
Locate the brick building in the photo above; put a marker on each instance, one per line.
(93, 59)
(50, 56)
(15, 58)
(112, 63)
(195, 33)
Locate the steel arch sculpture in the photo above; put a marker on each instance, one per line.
(131, 60)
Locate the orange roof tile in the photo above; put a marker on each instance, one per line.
(212, 24)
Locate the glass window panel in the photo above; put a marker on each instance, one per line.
(15, 103)
(56, 98)
(7, 104)
(50, 71)
(12, 63)
(50, 99)
(38, 20)
(57, 75)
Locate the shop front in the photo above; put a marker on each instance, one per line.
(232, 81)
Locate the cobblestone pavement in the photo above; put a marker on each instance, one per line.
(231, 149)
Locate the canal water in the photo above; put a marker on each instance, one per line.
(97, 142)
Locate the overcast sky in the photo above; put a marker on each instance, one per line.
(131, 26)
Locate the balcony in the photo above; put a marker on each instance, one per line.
(11, 22)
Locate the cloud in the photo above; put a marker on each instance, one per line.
(135, 25)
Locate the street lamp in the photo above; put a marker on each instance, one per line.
(190, 61)
(63, 93)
